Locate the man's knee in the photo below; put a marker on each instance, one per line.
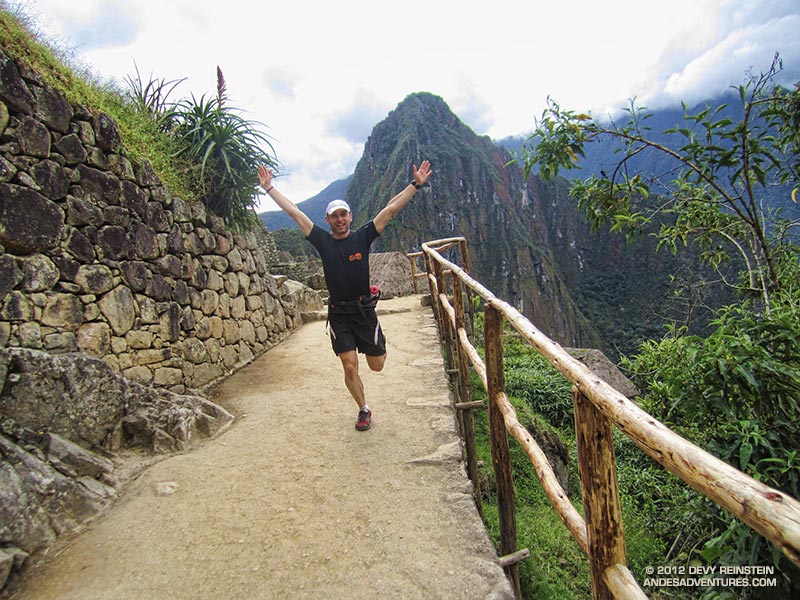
(349, 364)
(376, 363)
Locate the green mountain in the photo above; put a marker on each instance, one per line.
(527, 241)
(470, 194)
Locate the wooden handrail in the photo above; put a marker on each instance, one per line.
(770, 512)
(544, 470)
(622, 584)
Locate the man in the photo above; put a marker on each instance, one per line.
(353, 323)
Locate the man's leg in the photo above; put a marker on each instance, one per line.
(375, 346)
(353, 382)
(351, 377)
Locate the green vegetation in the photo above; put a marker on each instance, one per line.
(542, 397)
(221, 148)
(200, 148)
(735, 391)
(225, 148)
(722, 172)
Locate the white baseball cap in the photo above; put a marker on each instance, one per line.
(335, 205)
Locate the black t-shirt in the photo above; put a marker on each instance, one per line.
(346, 261)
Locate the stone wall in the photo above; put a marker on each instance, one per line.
(97, 256)
(118, 303)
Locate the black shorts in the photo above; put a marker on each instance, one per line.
(356, 330)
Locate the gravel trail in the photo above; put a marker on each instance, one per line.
(291, 501)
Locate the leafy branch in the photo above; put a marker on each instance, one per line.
(714, 195)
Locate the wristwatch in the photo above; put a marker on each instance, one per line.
(416, 185)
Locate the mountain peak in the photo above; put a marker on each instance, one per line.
(424, 99)
(423, 111)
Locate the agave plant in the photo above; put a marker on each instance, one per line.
(223, 147)
(226, 148)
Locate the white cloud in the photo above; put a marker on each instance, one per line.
(281, 82)
(109, 25)
(321, 74)
(355, 121)
(748, 43)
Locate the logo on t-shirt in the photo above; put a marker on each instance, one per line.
(356, 256)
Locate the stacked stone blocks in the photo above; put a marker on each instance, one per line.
(97, 256)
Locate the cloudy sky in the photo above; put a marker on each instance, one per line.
(321, 73)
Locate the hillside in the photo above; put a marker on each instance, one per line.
(471, 194)
(527, 240)
(603, 155)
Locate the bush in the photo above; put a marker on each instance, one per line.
(736, 393)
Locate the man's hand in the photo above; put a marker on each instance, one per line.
(421, 175)
(264, 177)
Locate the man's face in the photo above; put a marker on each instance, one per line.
(339, 220)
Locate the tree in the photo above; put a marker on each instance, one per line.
(736, 391)
(714, 192)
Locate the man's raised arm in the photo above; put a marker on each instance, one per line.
(400, 200)
(289, 207)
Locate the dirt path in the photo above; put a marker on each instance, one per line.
(292, 501)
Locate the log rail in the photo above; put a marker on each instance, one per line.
(598, 408)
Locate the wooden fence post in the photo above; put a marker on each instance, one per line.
(446, 325)
(437, 310)
(413, 260)
(600, 487)
(467, 422)
(470, 309)
(501, 459)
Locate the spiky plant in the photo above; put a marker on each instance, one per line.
(152, 97)
(226, 149)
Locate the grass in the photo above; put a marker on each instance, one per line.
(557, 568)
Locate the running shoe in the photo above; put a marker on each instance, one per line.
(364, 417)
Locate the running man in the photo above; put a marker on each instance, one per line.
(353, 322)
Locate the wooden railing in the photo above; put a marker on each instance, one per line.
(598, 407)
